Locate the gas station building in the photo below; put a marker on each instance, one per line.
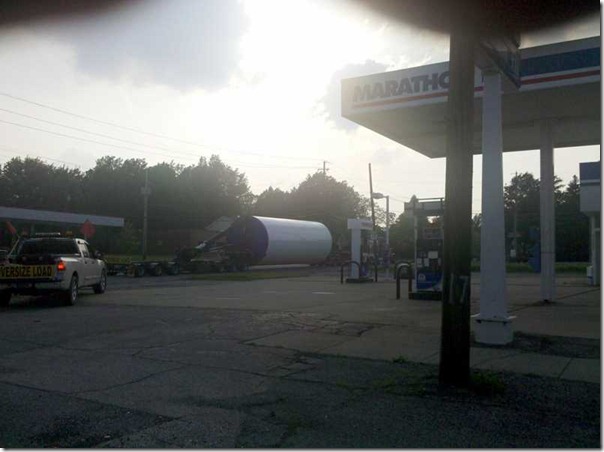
(33, 217)
(556, 106)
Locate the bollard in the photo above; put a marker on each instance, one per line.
(342, 269)
(398, 278)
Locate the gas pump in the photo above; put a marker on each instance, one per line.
(359, 250)
(428, 235)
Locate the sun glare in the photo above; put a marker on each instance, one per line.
(302, 41)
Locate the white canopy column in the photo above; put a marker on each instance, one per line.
(547, 216)
(493, 325)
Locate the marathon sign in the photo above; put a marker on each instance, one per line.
(420, 84)
(540, 68)
(403, 88)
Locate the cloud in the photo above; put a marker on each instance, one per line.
(330, 104)
(183, 44)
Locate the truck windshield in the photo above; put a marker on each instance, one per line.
(46, 246)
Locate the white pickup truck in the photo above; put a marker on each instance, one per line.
(51, 263)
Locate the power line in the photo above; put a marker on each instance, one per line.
(107, 123)
(13, 151)
(243, 165)
(80, 139)
(89, 132)
(132, 129)
(140, 144)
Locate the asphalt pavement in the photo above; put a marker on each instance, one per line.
(298, 362)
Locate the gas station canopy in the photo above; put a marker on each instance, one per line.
(49, 216)
(560, 82)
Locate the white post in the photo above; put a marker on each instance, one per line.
(547, 220)
(493, 325)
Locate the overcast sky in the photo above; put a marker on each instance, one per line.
(254, 81)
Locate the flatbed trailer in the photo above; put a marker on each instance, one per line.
(239, 244)
(139, 268)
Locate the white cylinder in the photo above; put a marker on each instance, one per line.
(279, 241)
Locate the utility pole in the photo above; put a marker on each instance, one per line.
(388, 232)
(324, 169)
(145, 191)
(515, 237)
(455, 334)
(373, 238)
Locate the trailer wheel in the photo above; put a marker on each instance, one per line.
(5, 296)
(157, 270)
(139, 271)
(173, 270)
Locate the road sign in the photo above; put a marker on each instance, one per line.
(88, 229)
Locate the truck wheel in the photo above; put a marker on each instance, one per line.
(5, 296)
(71, 296)
(102, 285)
(139, 271)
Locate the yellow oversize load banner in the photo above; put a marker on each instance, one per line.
(26, 271)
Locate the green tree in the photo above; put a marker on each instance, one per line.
(164, 209)
(521, 201)
(32, 184)
(113, 188)
(402, 239)
(209, 190)
(272, 203)
(324, 199)
(572, 226)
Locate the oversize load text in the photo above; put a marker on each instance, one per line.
(26, 271)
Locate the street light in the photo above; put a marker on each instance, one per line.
(382, 196)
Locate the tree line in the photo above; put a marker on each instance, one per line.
(182, 197)
(191, 197)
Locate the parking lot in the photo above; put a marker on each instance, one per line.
(291, 362)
